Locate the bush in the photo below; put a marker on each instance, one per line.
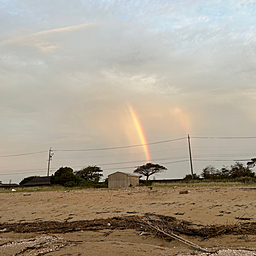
(89, 184)
(246, 179)
(188, 177)
(145, 182)
(70, 184)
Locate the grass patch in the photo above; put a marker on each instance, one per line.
(201, 184)
(42, 189)
(38, 189)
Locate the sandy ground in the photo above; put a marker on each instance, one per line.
(207, 206)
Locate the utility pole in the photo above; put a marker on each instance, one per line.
(190, 157)
(49, 160)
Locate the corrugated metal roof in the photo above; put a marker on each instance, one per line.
(8, 185)
(39, 181)
(126, 173)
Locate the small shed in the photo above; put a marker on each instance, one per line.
(122, 180)
(39, 181)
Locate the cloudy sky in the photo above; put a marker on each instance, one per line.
(76, 75)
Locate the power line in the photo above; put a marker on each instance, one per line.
(175, 162)
(137, 161)
(224, 138)
(132, 146)
(129, 167)
(225, 155)
(25, 154)
(144, 160)
(118, 155)
(37, 170)
(104, 164)
(140, 145)
(122, 147)
(238, 160)
(214, 160)
(13, 166)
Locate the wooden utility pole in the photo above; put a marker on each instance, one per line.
(49, 160)
(190, 157)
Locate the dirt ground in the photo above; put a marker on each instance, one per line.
(201, 206)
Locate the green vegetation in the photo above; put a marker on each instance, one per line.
(149, 169)
(236, 172)
(203, 184)
(64, 176)
(91, 184)
(87, 177)
(90, 176)
(189, 177)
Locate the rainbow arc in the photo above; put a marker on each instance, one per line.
(141, 133)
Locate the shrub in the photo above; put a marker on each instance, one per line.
(189, 177)
(70, 184)
(246, 179)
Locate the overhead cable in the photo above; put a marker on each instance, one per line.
(224, 138)
(121, 147)
(129, 167)
(23, 172)
(25, 154)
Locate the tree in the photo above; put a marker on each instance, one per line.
(235, 171)
(90, 173)
(65, 177)
(149, 169)
(209, 172)
(239, 170)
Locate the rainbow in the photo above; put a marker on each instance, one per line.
(140, 132)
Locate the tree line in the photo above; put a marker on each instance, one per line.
(235, 172)
(91, 176)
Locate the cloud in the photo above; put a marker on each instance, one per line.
(40, 40)
(184, 66)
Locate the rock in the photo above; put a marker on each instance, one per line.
(184, 192)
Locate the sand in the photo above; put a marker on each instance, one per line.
(206, 206)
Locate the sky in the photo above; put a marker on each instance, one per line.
(118, 84)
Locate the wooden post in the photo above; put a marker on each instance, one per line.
(49, 160)
(190, 157)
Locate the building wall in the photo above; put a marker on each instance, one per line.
(117, 180)
(122, 180)
(134, 181)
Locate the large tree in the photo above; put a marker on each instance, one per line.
(65, 177)
(90, 173)
(149, 169)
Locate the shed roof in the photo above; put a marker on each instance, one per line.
(126, 173)
(8, 185)
(39, 181)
